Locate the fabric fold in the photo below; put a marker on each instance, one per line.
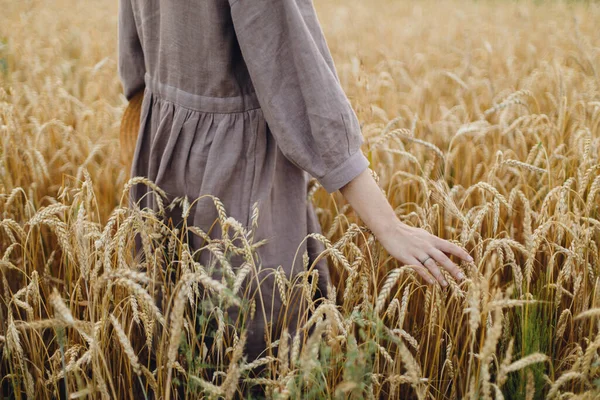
(298, 88)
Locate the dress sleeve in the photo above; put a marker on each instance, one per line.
(131, 66)
(298, 88)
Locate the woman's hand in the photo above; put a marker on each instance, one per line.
(413, 246)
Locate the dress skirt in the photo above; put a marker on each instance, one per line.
(229, 153)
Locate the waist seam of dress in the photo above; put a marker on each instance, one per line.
(196, 102)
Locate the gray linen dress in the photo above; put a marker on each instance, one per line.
(242, 101)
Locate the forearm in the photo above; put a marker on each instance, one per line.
(410, 245)
(366, 198)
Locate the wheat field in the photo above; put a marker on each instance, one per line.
(482, 125)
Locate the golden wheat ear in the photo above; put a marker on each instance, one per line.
(130, 126)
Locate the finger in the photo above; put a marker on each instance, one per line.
(445, 262)
(432, 266)
(449, 247)
(434, 269)
(421, 270)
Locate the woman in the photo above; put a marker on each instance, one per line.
(242, 101)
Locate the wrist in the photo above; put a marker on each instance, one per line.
(389, 227)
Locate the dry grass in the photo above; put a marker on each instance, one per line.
(482, 124)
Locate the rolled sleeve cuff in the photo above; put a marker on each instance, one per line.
(345, 172)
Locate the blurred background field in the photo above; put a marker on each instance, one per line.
(482, 123)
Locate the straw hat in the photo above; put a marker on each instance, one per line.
(130, 126)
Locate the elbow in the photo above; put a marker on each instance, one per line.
(131, 82)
